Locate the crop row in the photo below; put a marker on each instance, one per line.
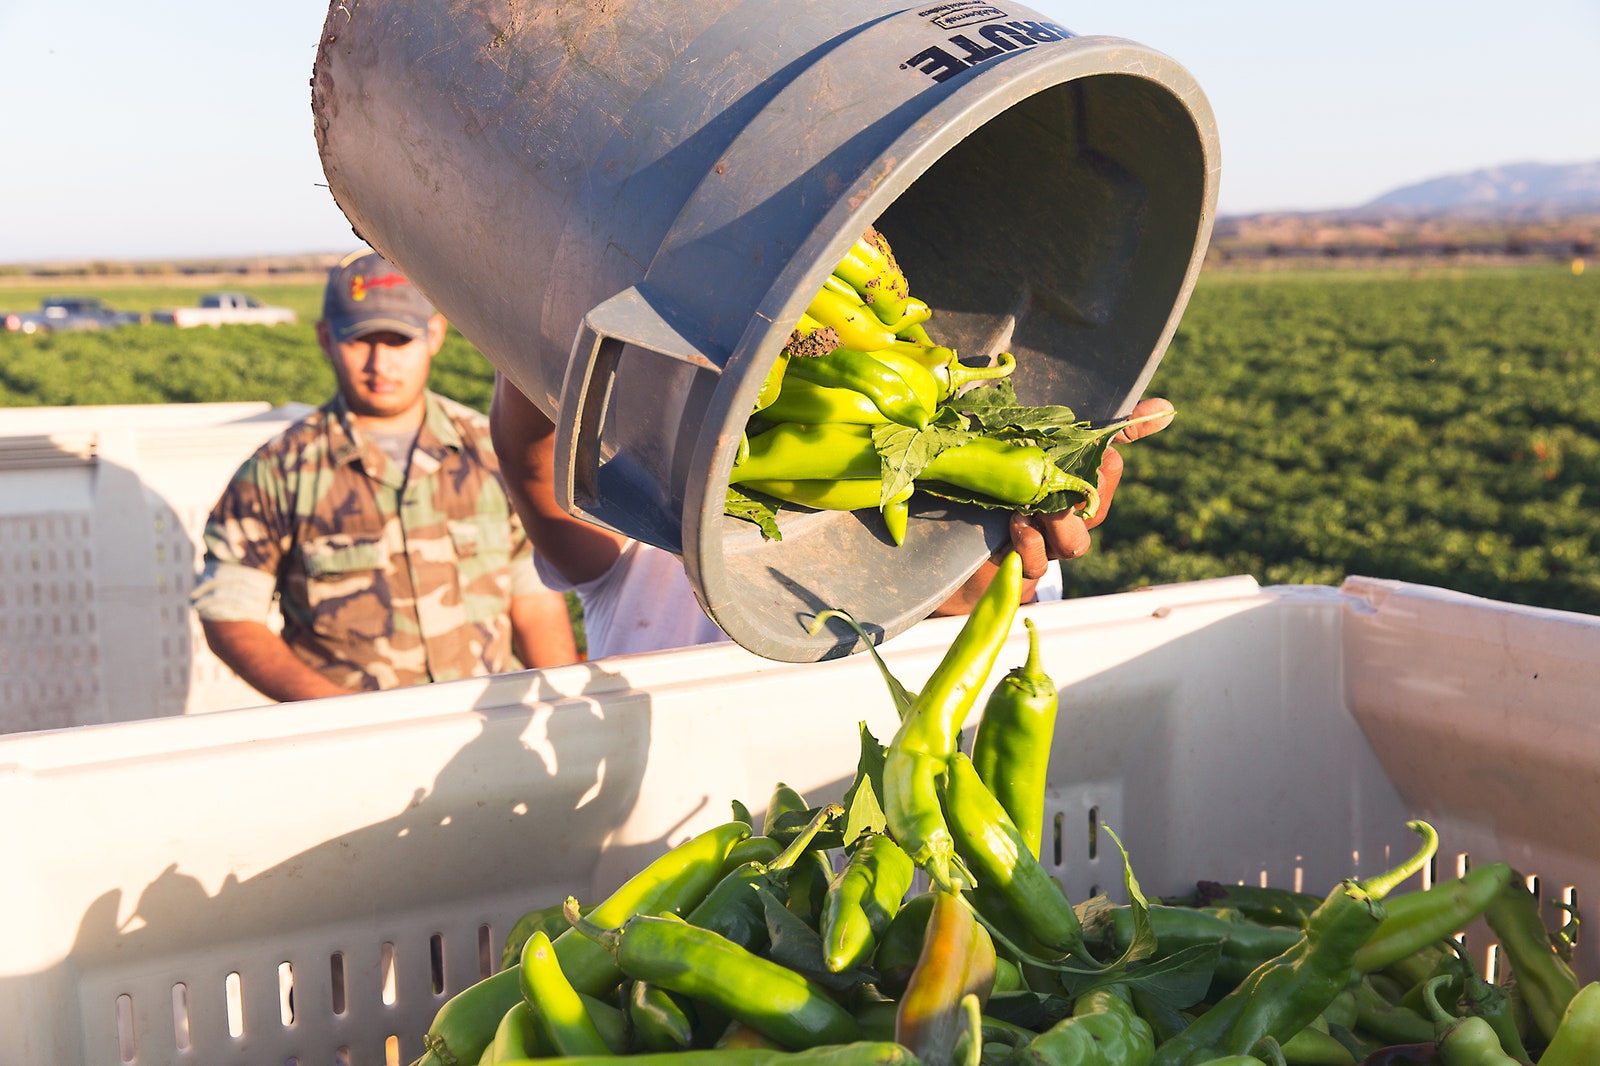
(1443, 429)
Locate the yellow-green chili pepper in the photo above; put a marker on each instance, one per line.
(856, 325)
(1577, 1037)
(999, 858)
(1544, 980)
(558, 1013)
(1469, 1041)
(930, 731)
(674, 882)
(862, 900)
(1011, 749)
(765, 995)
(1286, 993)
(794, 450)
(908, 399)
(1020, 475)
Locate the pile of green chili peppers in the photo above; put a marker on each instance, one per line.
(861, 358)
(912, 922)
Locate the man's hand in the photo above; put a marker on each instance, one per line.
(1041, 538)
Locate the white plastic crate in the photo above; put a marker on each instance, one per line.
(163, 869)
(101, 515)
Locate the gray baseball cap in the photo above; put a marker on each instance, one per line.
(366, 294)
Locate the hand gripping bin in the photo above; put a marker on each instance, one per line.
(627, 206)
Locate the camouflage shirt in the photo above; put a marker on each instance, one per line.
(384, 578)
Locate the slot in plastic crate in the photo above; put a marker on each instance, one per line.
(102, 510)
(173, 879)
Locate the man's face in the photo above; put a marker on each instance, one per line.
(382, 375)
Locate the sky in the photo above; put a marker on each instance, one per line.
(179, 129)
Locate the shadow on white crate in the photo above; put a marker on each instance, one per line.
(102, 510)
(309, 882)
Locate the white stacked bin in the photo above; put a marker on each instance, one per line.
(102, 510)
(174, 879)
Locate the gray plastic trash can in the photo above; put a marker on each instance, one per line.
(626, 206)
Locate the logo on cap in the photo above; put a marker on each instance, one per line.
(359, 285)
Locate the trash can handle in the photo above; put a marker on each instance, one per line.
(633, 318)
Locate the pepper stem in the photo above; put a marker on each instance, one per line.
(1381, 885)
(961, 374)
(802, 841)
(610, 939)
(1058, 480)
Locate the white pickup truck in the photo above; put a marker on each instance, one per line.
(226, 309)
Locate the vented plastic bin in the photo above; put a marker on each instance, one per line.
(101, 514)
(307, 883)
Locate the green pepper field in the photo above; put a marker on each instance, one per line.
(1438, 426)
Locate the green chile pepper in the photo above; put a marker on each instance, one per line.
(999, 858)
(1468, 1041)
(769, 997)
(858, 1053)
(772, 384)
(1413, 920)
(550, 919)
(930, 731)
(1286, 993)
(871, 272)
(732, 908)
(675, 882)
(957, 960)
(824, 494)
(1020, 475)
(1545, 982)
(901, 943)
(464, 1027)
(862, 899)
(1389, 1021)
(1244, 944)
(656, 1021)
(908, 400)
(951, 374)
(1577, 1037)
(1103, 1030)
(559, 1014)
(858, 327)
(515, 1038)
(1266, 905)
(1313, 1047)
(810, 404)
(794, 450)
(896, 516)
(1011, 749)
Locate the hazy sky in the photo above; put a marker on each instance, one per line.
(179, 128)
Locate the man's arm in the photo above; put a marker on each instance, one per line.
(524, 439)
(260, 656)
(541, 630)
(1040, 538)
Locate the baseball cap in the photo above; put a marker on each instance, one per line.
(365, 294)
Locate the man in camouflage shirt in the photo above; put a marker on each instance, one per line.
(380, 523)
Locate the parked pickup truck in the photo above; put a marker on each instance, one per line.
(59, 314)
(226, 309)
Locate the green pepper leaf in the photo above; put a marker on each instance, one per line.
(863, 812)
(904, 451)
(799, 947)
(748, 509)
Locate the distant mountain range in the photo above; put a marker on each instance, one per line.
(1511, 193)
(1520, 210)
(1520, 190)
